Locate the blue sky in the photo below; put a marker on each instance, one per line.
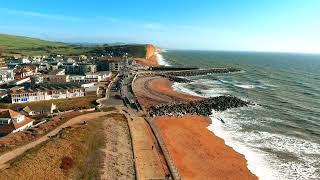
(245, 25)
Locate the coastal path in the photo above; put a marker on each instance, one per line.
(149, 162)
(4, 158)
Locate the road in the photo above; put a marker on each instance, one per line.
(149, 160)
(112, 95)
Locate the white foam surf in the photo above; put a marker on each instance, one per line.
(161, 60)
(179, 87)
(255, 162)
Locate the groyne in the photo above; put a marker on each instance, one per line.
(176, 78)
(197, 72)
(200, 107)
(172, 68)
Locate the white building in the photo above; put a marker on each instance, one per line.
(12, 121)
(25, 60)
(6, 75)
(41, 94)
(91, 77)
(98, 76)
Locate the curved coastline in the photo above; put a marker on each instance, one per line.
(196, 150)
(255, 163)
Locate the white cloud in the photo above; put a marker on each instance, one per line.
(41, 15)
(153, 26)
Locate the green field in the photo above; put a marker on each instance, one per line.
(26, 46)
(20, 42)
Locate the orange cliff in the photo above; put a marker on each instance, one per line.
(150, 57)
(150, 51)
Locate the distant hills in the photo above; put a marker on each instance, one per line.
(19, 42)
(12, 45)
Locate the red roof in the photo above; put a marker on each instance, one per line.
(12, 114)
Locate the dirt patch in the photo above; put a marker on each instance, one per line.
(106, 109)
(66, 163)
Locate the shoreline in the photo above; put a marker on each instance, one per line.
(197, 152)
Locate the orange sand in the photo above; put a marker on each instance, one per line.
(156, 90)
(197, 152)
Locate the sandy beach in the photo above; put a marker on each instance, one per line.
(196, 151)
(157, 90)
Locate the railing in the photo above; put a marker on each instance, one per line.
(172, 167)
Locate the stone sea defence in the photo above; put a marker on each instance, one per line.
(200, 107)
(176, 78)
(171, 68)
(196, 72)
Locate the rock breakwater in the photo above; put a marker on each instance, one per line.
(200, 107)
(197, 72)
(176, 78)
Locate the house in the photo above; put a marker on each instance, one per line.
(46, 93)
(17, 82)
(12, 121)
(43, 66)
(55, 65)
(32, 110)
(111, 65)
(25, 60)
(80, 68)
(37, 59)
(55, 79)
(25, 71)
(36, 79)
(13, 61)
(91, 77)
(98, 76)
(57, 72)
(83, 57)
(6, 75)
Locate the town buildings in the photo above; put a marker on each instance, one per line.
(79, 68)
(46, 93)
(6, 75)
(35, 109)
(25, 71)
(12, 121)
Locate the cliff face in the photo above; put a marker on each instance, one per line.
(150, 50)
(150, 58)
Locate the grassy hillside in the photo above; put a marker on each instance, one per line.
(26, 46)
(20, 42)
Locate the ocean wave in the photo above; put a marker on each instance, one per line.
(181, 88)
(207, 90)
(255, 161)
(246, 86)
(266, 151)
(161, 60)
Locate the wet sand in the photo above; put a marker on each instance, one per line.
(196, 151)
(157, 90)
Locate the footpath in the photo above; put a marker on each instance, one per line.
(149, 162)
(4, 158)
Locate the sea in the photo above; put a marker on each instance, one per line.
(279, 135)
